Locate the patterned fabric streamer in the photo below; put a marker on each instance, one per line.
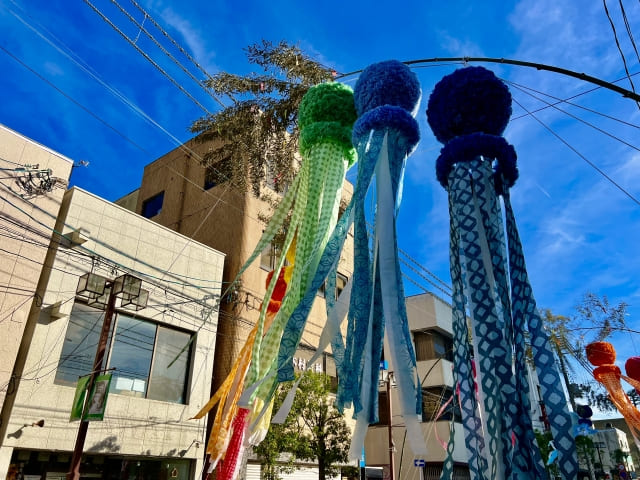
(468, 112)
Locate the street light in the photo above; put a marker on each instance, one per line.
(99, 292)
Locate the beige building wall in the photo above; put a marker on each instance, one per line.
(183, 278)
(26, 226)
(228, 221)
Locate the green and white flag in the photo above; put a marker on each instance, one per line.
(78, 398)
(98, 399)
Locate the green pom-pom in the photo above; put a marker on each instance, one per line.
(328, 132)
(327, 102)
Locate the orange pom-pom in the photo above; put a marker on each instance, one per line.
(632, 367)
(601, 353)
(603, 371)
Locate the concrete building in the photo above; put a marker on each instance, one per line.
(613, 447)
(159, 379)
(31, 188)
(430, 322)
(178, 192)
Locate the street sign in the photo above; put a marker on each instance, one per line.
(418, 462)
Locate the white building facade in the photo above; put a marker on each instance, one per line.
(160, 357)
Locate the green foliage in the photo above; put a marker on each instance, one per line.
(604, 317)
(314, 430)
(323, 428)
(259, 130)
(543, 439)
(595, 320)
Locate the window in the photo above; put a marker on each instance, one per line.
(269, 257)
(433, 398)
(432, 344)
(153, 206)
(140, 351)
(218, 173)
(341, 282)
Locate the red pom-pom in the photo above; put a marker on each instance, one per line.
(632, 367)
(601, 353)
(281, 285)
(603, 371)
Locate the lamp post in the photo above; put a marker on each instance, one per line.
(100, 292)
(387, 378)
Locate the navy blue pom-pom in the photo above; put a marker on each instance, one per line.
(393, 118)
(471, 99)
(468, 147)
(387, 83)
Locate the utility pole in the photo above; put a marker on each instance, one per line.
(98, 289)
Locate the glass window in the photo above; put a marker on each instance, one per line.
(153, 206)
(131, 356)
(169, 383)
(79, 348)
(341, 282)
(140, 352)
(431, 344)
(268, 257)
(218, 173)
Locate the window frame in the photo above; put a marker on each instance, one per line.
(112, 342)
(150, 201)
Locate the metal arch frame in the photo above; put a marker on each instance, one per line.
(538, 66)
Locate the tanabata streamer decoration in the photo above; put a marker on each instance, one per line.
(603, 356)
(387, 95)
(468, 111)
(326, 117)
(228, 430)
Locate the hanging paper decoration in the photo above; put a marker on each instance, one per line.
(468, 111)
(603, 356)
(229, 392)
(325, 119)
(387, 95)
(632, 367)
(326, 116)
(584, 425)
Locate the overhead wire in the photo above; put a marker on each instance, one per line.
(580, 94)
(573, 149)
(565, 101)
(628, 27)
(166, 52)
(575, 117)
(147, 57)
(615, 36)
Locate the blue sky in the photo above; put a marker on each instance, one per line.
(580, 232)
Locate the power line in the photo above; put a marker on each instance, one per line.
(572, 148)
(147, 57)
(615, 36)
(604, 132)
(73, 100)
(168, 54)
(560, 100)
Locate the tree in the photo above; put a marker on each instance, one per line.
(258, 131)
(324, 428)
(544, 445)
(314, 430)
(569, 336)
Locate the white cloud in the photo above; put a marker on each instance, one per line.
(459, 47)
(565, 33)
(192, 37)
